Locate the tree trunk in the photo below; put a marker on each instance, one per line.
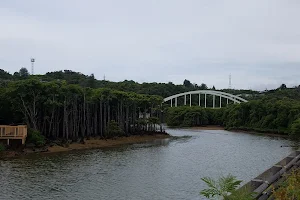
(108, 116)
(104, 120)
(127, 120)
(95, 120)
(101, 119)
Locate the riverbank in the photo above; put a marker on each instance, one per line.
(215, 127)
(259, 133)
(92, 143)
(95, 143)
(212, 127)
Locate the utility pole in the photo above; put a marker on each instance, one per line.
(229, 81)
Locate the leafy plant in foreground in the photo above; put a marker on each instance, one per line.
(225, 188)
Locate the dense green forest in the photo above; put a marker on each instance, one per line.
(68, 111)
(69, 105)
(270, 115)
(71, 77)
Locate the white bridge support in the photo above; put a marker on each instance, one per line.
(227, 96)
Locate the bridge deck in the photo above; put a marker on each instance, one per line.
(13, 133)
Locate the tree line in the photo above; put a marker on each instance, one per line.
(270, 115)
(68, 111)
(61, 99)
(71, 77)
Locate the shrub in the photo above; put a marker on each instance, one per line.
(114, 129)
(35, 137)
(153, 120)
(290, 189)
(295, 129)
(241, 194)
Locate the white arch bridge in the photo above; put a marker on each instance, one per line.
(229, 98)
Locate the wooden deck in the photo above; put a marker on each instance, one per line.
(13, 133)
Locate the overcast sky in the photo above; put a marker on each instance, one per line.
(256, 41)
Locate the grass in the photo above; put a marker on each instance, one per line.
(290, 189)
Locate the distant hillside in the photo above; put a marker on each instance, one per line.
(161, 89)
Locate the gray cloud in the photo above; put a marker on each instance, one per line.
(258, 42)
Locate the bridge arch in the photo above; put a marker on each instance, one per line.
(227, 96)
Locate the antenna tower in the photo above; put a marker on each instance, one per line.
(229, 81)
(32, 66)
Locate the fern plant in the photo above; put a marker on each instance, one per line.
(223, 187)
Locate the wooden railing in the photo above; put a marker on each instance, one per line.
(11, 132)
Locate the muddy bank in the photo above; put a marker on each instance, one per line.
(99, 143)
(239, 131)
(92, 143)
(258, 133)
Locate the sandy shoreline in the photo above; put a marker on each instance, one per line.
(93, 143)
(96, 143)
(100, 143)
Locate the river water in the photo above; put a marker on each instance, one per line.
(163, 169)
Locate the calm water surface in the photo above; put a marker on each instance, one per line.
(163, 169)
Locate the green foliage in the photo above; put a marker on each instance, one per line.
(290, 189)
(153, 120)
(35, 137)
(264, 116)
(295, 129)
(185, 116)
(241, 194)
(223, 187)
(2, 147)
(161, 89)
(282, 87)
(187, 83)
(68, 111)
(23, 72)
(114, 129)
(67, 104)
(4, 75)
